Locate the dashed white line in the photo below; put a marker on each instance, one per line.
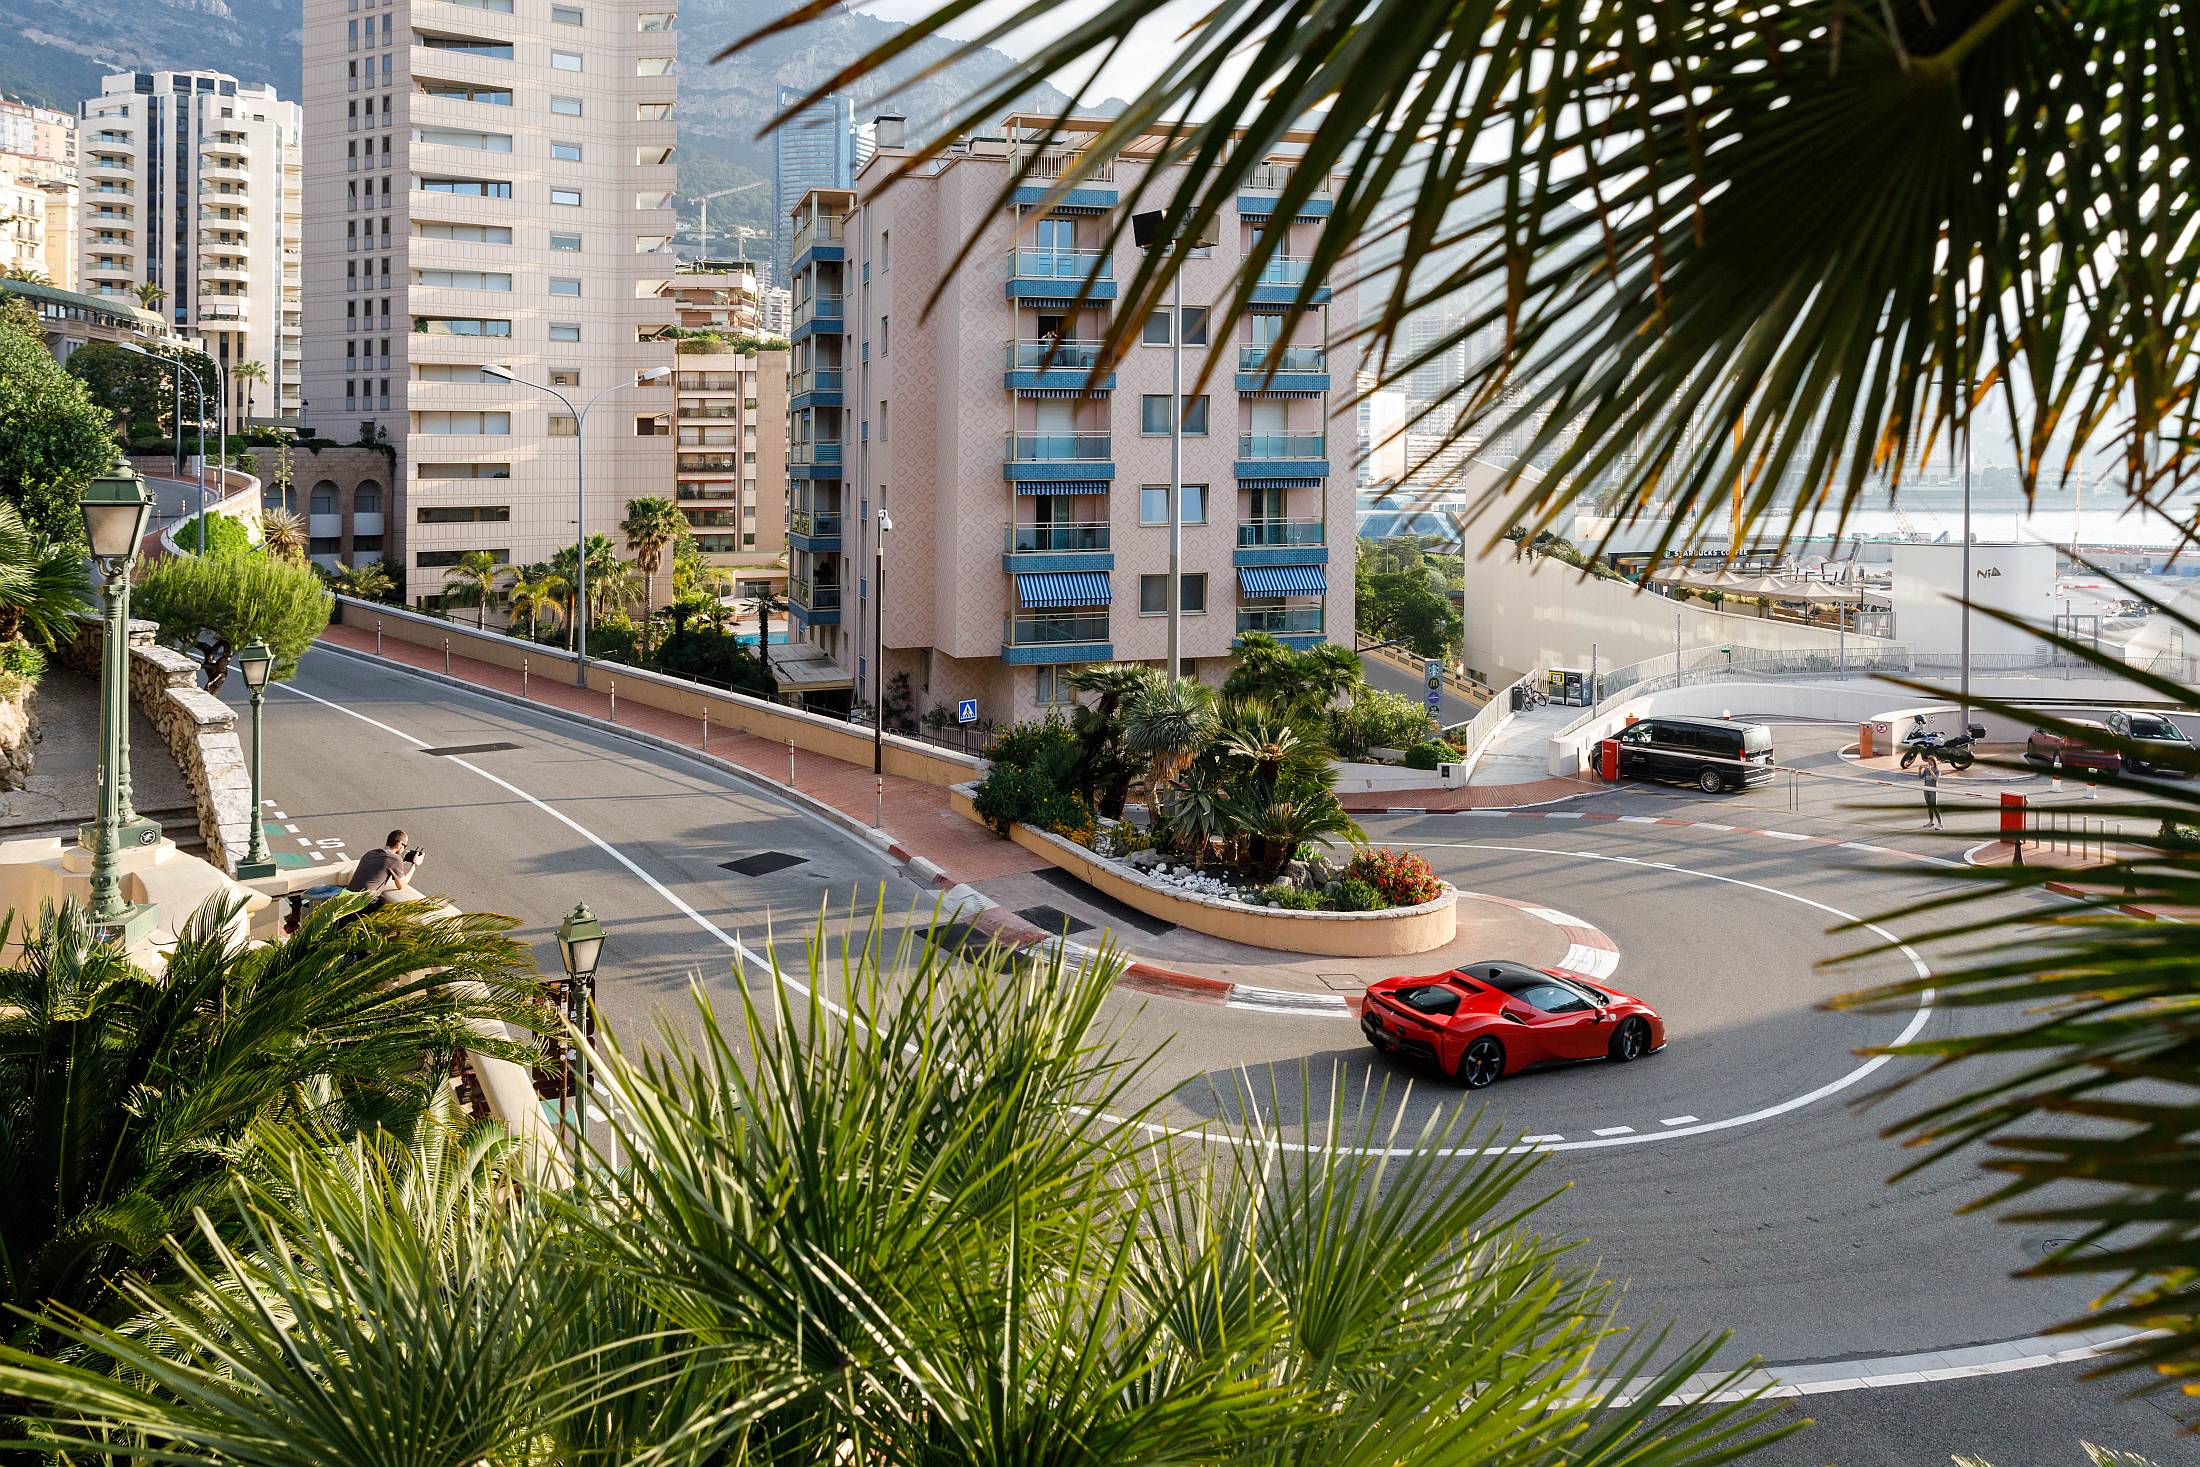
(1539, 1140)
(305, 840)
(294, 829)
(1785, 835)
(1638, 820)
(1678, 1121)
(1707, 825)
(1613, 1131)
(1565, 815)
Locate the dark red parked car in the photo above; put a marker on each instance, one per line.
(1490, 1019)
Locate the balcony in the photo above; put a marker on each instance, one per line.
(1060, 275)
(1057, 547)
(236, 274)
(817, 533)
(818, 238)
(819, 313)
(814, 387)
(1282, 278)
(215, 171)
(1281, 542)
(817, 459)
(1282, 369)
(708, 463)
(1265, 186)
(1051, 365)
(1056, 637)
(1059, 458)
(1291, 456)
(696, 410)
(1298, 625)
(1094, 187)
(818, 605)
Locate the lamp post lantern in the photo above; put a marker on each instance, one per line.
(580, 949)
(256, 662)
(116, 512)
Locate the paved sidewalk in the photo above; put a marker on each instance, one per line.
(64, 784)
(916, 813)
(1520, 752)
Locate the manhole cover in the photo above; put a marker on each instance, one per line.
(1343, 982)
(763, 863)
(469, 749)
(2039, 1250)
(1053, 921)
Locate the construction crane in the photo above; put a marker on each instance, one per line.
(702, 226)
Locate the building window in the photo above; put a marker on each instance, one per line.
(490, 424)
(565, 331)
(464, 279)
(463, 514)
(1053, 689)
(564, 285)
(1154, 415)
(1153, 504)
(652, 111)
(464, 471)
(652, 425)
(566, 106)
(566, 152)
(1155, 330)
(565, 377)
(459, 326)
(440, 559)
(565, 61)
(565, 242)
(653, 20)
(569, 197)
(653, 66)
(452, 137)
(1153, 593)
(885, 250)
(473, 188)
(564, 425)
(566, 15)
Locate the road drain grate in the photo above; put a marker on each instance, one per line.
(469, 749)
(763, 863)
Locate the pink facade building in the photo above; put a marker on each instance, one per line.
(1028, 499)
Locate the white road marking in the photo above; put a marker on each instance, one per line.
(305, 840)
(294, 829)
(1614, 1131)
(317, 855)
(1590, 962)
(1679, 1121)
(1785, 835)
(1707, 825)
(1638, 820)
(1539, 1140)
(1563, 815)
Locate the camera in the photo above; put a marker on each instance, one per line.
(414, 855)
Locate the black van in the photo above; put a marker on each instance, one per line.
(1711, 753)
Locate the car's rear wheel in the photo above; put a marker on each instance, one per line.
(1632, 1041)
(1710, 781)
(1482, 1063)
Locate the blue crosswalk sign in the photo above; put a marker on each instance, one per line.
(966, 711)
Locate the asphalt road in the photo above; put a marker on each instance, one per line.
(1731, 1181)
(1393, 679)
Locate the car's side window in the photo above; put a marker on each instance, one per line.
(1554, 998)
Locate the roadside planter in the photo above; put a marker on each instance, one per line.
(1391, 932)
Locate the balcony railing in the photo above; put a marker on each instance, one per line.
(1055, 539)
(1282, 445)
(814, 452)
(694, 410)
(804, 522)
(815, 379)
(1060, 162)
(1280, 621)
(1056, 356)
(1284, 270)
(813, 597)
(1053, 631)
(1253, 533)
(1274, 178)
(820, 307)
(826, 228)
(1048, 448)
(700, 463)
(1284, 358)
(1072, 266)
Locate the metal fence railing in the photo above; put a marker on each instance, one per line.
(1477, 731)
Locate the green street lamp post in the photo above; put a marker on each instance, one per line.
(256, 662)
(580, 949)
(116, 512)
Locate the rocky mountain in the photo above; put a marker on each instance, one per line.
(55, 51)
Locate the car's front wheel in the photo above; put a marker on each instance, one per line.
(1632, 1041)
(1710, 781)
(1482, 1063)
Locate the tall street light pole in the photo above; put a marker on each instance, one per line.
(256, 662)
(580, 950)
(580, 495)
(878, 641)
(116, 511)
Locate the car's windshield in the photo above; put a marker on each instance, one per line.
(1546, 991)
(2147, 726)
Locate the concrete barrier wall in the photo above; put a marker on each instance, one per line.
(737, 712)
(1393, 933)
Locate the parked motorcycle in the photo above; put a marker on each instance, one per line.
(1955, 752)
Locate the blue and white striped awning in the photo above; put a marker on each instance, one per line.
(1041, 590)
(1282, 580)
(1278, 483)
(1061, 486)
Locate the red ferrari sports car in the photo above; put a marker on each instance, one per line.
(1487, 1020)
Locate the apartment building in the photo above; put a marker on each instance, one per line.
(815, 148)
(730, 423)
(191, 183)
(1029, 496)
(489, 192)
(38, 192)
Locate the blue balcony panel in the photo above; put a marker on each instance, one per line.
(816, 253)
(1284, 295)
(1042, 291)
(1284, 384)
(1082, 472)
(816, 397)
(813, 471)
(1083, 196)
(1260, 555)
(817, 325)
(1263, 206)
(829, 617)
(1027, 562)
(1054, 379)
(1299, 641)
(1298, 470)
(826, 544)
(1049, 654)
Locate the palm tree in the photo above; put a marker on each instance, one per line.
(535, 589)
(1168, 723)
(283, 533)
(651, 527)
(603, 560)
(617, 586)
(367, 582)
(936, 1232)
(474, 581)
(41, 586)
(766, 600)
(248, 373)
(125, 1098)
(149, 295)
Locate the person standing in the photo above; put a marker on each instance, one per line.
(1928, 777)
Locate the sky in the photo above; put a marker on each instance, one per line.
(1129, 73)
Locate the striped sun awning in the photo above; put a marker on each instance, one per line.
(1283, 580)
(1277, 483)
(1061, 486)
(1043, 590)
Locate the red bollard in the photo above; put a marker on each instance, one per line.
(1608, 759)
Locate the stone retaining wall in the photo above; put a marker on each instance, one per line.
(200, 729)
(1395, 932)
(18, 734)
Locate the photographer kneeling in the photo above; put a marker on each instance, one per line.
(386, 874)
